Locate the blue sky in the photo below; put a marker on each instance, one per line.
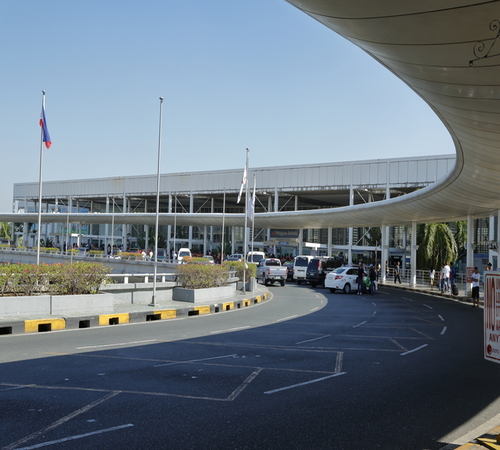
(234, 74)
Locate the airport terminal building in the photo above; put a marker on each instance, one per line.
(283, 188)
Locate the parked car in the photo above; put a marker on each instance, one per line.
(209, 258)
(317, 269)
(346, 279)
(183, 252)
(342, 279)
(255, 257)
(300, 264)
(270, 270)
(289, 270)
(235, 257)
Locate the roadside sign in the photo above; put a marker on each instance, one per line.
(469, 272)
(492, 316)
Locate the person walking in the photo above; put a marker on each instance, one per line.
(476, 277)
(445, 279)
(361, 276)
(432, 274)
(373, 279)
(453, 276)
(397, 273)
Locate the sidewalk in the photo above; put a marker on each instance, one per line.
(425, 288)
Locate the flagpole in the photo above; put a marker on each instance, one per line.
(153, 303)
(253, 210)
(39, 231)
(223, 220)
(245, 244)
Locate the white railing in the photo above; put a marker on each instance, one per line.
(423, 280)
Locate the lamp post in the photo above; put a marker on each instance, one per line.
(153, 302)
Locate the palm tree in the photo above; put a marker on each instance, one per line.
(437, 245)
(5, 230)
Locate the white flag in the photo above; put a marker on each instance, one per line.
(251, 202)
(244, 180)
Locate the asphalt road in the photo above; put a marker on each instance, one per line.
(306, 370)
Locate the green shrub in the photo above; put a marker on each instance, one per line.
(69, 279)
(195, 260)
(200, 276)
(250, 271)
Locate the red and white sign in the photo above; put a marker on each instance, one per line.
(492, 316)
(470, 271)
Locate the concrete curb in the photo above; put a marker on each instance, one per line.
(486, 441)
(42, 324)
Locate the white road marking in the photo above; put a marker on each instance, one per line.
(304, 384)
(427, 306)
(314, 309)
(59, 422)
(440, 317)
(444, 330)
(116, 345)
(414, 350)
(286, 318)
(78, 436)
(359, 324)
(244, 385)
(315, 339)
(406, 298)
(229, 329)
(196, 360)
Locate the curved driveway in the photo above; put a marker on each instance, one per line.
(308, 369)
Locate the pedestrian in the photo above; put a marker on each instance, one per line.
(361, 276)
(453, 275)
(445, 278)
(373, 279)
(397, 273)
(432, 274)
(476, 277)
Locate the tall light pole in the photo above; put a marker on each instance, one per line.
(153, 302)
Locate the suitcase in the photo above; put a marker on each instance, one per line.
(454, 289)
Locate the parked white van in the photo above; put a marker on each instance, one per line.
(183, 252)
(255, 257)
(300, 264)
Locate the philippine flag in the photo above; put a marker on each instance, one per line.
(43, 124)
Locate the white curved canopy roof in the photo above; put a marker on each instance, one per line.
(429, 45)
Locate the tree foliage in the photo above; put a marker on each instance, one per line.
(437, 245)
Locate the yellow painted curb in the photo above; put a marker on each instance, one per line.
(202, 309)
(167, 314)
(227, 306)
(489, 443)
(247, 302)
(114, 319)
(258, 299)
(31, 326)
(470, 446)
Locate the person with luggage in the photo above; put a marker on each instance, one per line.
(453, 275)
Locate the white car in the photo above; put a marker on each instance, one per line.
(343, 279)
